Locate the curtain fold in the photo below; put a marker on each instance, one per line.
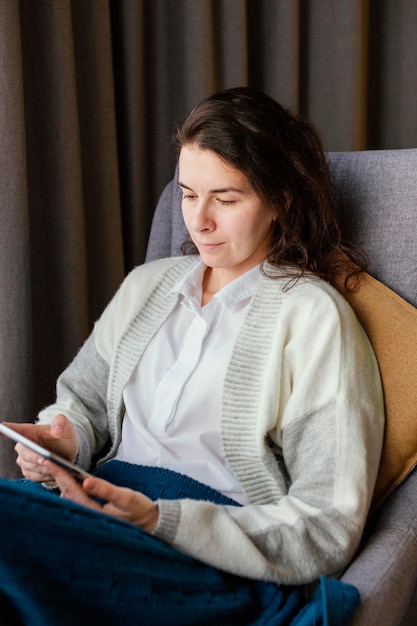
(333, 62)
(275, 38)
(15, 298)
(76, 252)
(392, 75)
(89, 93)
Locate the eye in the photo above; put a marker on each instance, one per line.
(187, 196)
(186, 193)
(225, 202)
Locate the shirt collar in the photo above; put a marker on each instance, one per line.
(238, 290)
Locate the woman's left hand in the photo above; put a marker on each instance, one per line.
(126, 504)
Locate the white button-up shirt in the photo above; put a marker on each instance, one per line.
(173, 398)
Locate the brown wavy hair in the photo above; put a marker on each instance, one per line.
(282, 157)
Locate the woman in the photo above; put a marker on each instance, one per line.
(241, 367)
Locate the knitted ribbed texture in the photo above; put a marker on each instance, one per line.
(137, 337)
(62, 564)
(242, 394)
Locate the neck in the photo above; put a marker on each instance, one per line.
(211, 285)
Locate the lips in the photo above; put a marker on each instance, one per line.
(208, 246)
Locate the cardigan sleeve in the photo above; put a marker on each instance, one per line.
(329, 426)
(84, 388)
(81, 397)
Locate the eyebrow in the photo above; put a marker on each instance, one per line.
(221, 190)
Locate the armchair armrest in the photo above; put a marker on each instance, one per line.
(385, 569)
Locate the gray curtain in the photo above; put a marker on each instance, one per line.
(89, 93)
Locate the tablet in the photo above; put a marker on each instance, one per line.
(76, 471)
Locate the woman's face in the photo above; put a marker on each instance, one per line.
(227, 221)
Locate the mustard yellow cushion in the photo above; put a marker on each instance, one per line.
(391, 325)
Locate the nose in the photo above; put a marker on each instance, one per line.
(202, 218)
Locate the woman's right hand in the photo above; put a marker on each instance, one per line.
(60, 436)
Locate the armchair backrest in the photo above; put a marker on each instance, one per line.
(379, 194)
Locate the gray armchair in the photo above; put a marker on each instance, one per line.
(379, 197)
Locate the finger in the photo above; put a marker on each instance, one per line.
(28, 458)
(127, 504)
(118, 501)
(25, 454)
(70, 487)
(58, 425)
(100, 488)
(66, 437)
(61, 426)
(31, 468)
(27, 429)
(25, 457)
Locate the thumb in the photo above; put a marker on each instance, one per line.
(61, 426)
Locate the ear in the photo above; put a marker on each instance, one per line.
(286, 201)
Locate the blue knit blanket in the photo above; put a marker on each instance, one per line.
(62, 564)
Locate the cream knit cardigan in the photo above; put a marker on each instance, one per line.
(302, 423)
